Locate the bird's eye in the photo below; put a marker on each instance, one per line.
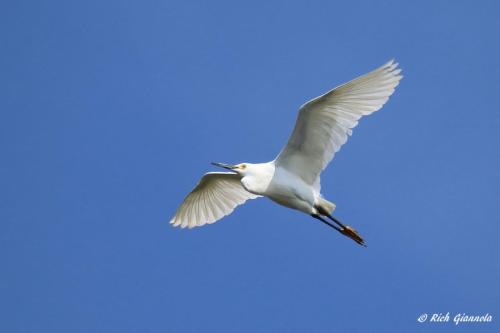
(243, 166)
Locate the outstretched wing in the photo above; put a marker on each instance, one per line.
(324, 123)
(216, 195)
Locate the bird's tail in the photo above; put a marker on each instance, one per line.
(324, 206)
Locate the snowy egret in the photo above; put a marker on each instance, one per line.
(292, 179)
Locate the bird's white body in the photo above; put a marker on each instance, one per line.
(293, 178)
(279, 185)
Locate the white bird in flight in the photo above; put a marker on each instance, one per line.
(292, 179)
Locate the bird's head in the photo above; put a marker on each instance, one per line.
(243, 168)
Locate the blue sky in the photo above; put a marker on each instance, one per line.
(111, 111)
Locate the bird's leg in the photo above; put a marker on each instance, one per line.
(334, 219)
(348, 231)
(324, 212)
(318, 217)
(344, 229)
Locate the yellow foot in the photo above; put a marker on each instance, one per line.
(353, 234)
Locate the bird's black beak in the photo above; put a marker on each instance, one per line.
(225, 166)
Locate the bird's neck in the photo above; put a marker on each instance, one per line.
(257, 181)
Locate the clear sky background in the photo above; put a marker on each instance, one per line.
(110, 111)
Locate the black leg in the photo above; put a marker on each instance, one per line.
(334, 219)
(345, 230)
(326, 213)
(326, 222)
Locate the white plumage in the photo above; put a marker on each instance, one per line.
(216, 195)
(293, 178)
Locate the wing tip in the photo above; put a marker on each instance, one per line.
(389, 63)
(174, 222)
(392, 68)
